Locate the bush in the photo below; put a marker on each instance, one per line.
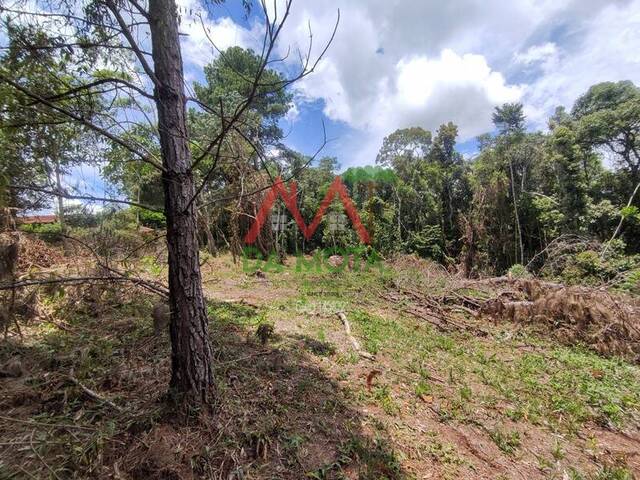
(631, 283)
(519, 271)
(109, 241)
(78, 216)
(119, 219)
(427, 243)
(152, 219)
(591, 268)
(50, 232)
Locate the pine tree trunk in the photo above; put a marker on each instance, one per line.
(60, 200)
(191, 358)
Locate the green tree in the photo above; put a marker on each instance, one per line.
(455, 192)
(607, 116)
(116, 28)
(509, 118)
(567, 158)
(404, 147)
(230, 79)
(41, 145)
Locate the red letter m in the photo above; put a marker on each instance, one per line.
(289, 198)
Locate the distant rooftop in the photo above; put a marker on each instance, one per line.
(37, 219)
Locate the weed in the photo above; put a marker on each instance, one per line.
(507, 442)
(614, 473)
(383, 395)
(557, 452)
(422, 388)
(319, 347)
(465, 393)
(443, 452)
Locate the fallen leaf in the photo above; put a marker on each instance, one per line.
(426, 398)
(371, 376)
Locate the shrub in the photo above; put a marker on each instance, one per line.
(152, 219)
(631, 283)
(50, 232)
(519, 271)
(589, 267)
(427, 243)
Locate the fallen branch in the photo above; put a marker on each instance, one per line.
(442, 323)
(48, 281)
(354, 342)
(93, 394)
(438, 319)
(154, 287)
(50, 425)
(241, 359)
(33, 449)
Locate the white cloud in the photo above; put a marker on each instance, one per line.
(424, 62)
(537, 54)
(605, 47)
(418, 62)
(203, 36)
(292, 114)
(420, 91)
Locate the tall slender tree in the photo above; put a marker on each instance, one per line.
(114, 27)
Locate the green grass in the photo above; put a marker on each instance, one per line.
(604, 473)
(563, 387)
(382, 395)
(235, 314)
(374, 458)
(507, 441)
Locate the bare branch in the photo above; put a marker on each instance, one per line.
(102, 81)
(140, 9)
(82, 197)
(293, 175)
(136, 49)
(273, 31)
(151, 286)
(62, 16)
(50, 281)
(84, 121)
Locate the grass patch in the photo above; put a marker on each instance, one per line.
(507, 442)
(372, 460)
(235, 314)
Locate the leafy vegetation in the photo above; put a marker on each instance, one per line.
(488, 328)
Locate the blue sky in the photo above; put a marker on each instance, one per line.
(396, 64)
(401, 63)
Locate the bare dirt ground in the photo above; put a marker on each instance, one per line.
(433, 387)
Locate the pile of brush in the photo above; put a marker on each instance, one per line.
(605, 322)
(35, 253)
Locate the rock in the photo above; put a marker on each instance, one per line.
(335, 260)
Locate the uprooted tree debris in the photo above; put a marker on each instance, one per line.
(606, 322)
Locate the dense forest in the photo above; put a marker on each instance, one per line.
(498, 339)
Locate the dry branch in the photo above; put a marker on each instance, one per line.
(354, 342)
(93, 394)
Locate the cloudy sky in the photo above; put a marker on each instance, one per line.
(401, 63)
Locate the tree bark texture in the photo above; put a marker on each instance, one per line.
(191, 357)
